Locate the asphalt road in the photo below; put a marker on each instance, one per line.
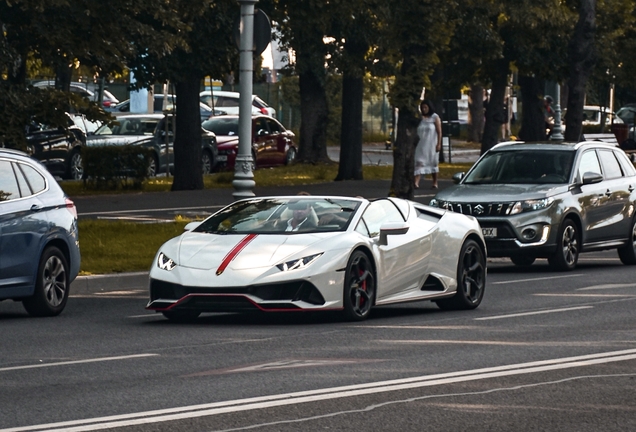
(544, 351)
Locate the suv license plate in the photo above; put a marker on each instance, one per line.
(489, 232)
(221, 158)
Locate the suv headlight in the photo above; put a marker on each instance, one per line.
(531, 205)
(165, 263)
(298, 263)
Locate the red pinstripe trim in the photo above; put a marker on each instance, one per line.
(234, 252)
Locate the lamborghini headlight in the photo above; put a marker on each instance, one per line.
(531, 205)
(165, 263)
(298, 263)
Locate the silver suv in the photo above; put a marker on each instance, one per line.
(549, 200)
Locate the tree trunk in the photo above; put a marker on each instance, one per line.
(533, 121)
(350, 166)
(582, 55)
(495, 115)
(476, 113)
(312, 146)
(187, 141)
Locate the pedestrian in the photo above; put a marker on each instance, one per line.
(429, 145)
(548, 115)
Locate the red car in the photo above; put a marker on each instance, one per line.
(272, 144)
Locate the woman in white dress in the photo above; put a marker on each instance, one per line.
(429, 145)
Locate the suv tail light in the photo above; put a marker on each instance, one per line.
(264, 110)
(70, 205)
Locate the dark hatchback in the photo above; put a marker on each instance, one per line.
(156, 132)
(58, 148)
(550, 200)
(39, 246)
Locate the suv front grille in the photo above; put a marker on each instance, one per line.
(479, 209)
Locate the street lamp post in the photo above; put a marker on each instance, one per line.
(243, 170)
(557, 130)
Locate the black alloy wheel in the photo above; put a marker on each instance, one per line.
(51, 285)
(566, 255)
(627, 253)
(153, 166)
(207, 162)
(75, 165)
(471, 279)
(359, 287)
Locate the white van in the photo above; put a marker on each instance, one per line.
(229, 102)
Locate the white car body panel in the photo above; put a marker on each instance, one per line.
(431, 246)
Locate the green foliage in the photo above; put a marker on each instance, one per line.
(115, 167)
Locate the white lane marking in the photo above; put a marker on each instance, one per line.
(535, 279)
(586, 295)
(608, 286)
(149, 210)
(148, 315)
(456, 342)
(401, 327)
(532, 313)
(427, 397)
(210, 409)
(72, 362)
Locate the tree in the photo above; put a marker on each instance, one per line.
(302, 26)
(208, 49)
(414, 33)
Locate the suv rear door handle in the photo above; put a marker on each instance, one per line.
(608, 193)
(630, 188)
(35, 208)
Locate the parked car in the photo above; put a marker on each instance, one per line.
(149, 130)
(549, 200)
(39, 245)
(58, 148)
(272, 144)
(319, 254)
(592, 115)
(229, 102)
(108, 99)
(204, 111)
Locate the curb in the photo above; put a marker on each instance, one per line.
(110, 282)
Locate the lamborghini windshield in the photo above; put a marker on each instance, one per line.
(282, 215)
(522, 167)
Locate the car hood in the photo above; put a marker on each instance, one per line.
(102, 140)
(208, 251)
(226, 140)
(498, 193)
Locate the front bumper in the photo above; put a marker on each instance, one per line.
(289, 296)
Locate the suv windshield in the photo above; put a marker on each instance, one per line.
(522, 166)
(222, 126)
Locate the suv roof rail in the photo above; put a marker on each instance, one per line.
(13, 151)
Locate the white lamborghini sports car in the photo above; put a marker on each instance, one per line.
(314, 253)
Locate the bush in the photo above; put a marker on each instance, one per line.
(114, 167)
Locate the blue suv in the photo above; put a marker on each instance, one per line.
(39, 246)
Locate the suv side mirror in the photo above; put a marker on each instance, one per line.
(457, 177)
(590, 177)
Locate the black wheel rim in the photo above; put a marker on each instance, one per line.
(361, 285)
(152, 167)
(207, 164)
(570, 245)
(634, 236)
(54, 281)
(76, 166)
(473, 274)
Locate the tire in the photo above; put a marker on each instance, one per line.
(627, 253)
(471, 279)
(359, 287)
(207, 162)
(568, 247)
(51, 286)
(182, 315)
(153, 166)
(75, 166)
(290, 157)
(522, 260)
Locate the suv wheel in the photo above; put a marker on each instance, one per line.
(627, 253)
(51, 285)
(75, 166)
(568, 247)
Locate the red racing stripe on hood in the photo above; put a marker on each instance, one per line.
(234, 252)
